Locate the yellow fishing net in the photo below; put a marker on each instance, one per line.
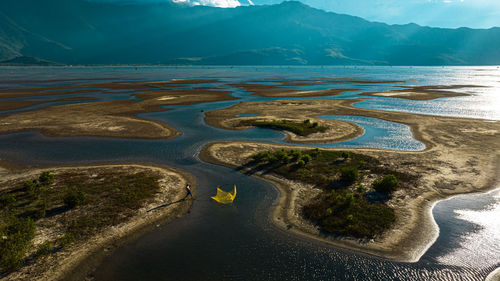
(224, 197)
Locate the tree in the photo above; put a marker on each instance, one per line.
(386, 185)
(349, 174)
(46, 178)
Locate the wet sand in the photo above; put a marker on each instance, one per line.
(425, 92)
(80, 87)
(109, 118)
(80, 259)
(10, 105)
(461, 156)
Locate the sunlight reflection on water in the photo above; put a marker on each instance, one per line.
(471, 250)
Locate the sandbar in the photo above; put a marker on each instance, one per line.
(461, 156)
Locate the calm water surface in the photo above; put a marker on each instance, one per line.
(238, 242)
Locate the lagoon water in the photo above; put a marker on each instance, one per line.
(238, 242)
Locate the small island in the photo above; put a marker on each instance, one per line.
(59, 218)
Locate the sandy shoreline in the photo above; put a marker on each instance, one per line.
(424, 93)
(461, 156)
(80, 259)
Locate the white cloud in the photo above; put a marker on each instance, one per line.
(213, 3)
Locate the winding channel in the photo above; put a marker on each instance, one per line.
(238, 242)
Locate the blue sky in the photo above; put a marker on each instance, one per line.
(437, 13)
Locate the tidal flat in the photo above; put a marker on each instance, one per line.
(183, 117)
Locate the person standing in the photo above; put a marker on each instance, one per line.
(188, 191)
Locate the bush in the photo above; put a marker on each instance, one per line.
(18, 232)
(360, 188)
(306, 158)
(30, 187)
(349, 174)
(46, 178)
(6, 200)
(74, 198)
(41, 211)
(345, 154)
(297, 154)
(349, 198)
(386, 185)
(259, 157)
(315, 152)
(45, 248)
(66, 239)
(282, 156)
(301, 163)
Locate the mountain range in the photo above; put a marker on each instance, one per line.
(290, 33)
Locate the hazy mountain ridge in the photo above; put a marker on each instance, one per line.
(81, 32)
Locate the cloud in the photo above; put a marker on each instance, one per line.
(213, 3)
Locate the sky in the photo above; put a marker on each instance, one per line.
(435, 13)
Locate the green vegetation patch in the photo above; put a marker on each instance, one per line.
(79, 203)
(345, 207)
(299, 128)
(322, 167)
(349, 214)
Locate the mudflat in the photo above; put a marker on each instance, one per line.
(109, 118)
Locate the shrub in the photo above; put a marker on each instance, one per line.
(360, 188)
(301, 163)
(282, 156)
(345, 155)
(46, 178)
(350, 218)
(6, 200)
(259, 157)
(315, 152)
(306, 158)
(349, 198)
(315, 124)
(307, 121)
(297, 154)
(66, 239)
(19, 233)
(349, 174)
(329, 211)
(386, 185)
(41, 209)
(74, 198)
(45, 248)
(30, 187)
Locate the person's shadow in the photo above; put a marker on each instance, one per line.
(166, 205)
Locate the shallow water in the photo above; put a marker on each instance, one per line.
(378, 134)
(238, 242)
